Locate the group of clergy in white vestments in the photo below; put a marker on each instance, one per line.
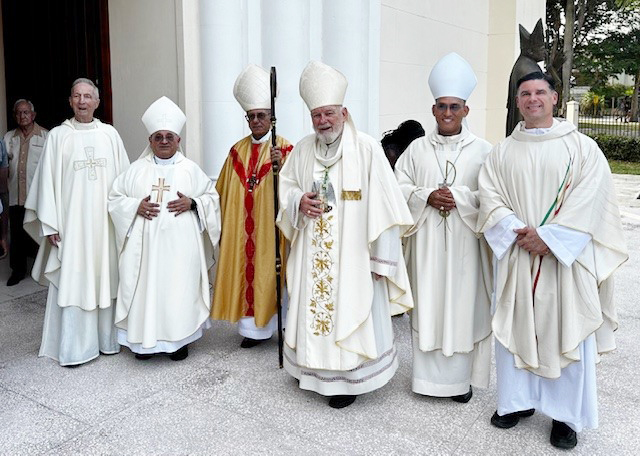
(519, 241)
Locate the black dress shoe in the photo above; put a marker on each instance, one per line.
(14, 279)
(250, 343)
(510, 419)
(143, 357)
(338, 402)
(180, 354)
(562, 436)
(463, 398)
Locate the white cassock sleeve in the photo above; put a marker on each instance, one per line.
(385, 252)
(565, 243)
(501, 235)
(298, 219)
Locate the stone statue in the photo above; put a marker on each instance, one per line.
(532, 51)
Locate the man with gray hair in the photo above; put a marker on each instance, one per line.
(343, 212)
(66, 211)
(24, 146)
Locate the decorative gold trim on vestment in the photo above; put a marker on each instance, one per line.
(351, 195)
(321, 303)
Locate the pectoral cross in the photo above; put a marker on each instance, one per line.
(90, 163)
(252, 181)
(160, 188)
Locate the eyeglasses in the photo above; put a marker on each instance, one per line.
(159, 137)
(454, 107)
(260, 116)
(24, 113)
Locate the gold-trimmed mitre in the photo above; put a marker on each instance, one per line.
(252, 88)
(321, 85)
(164, 114)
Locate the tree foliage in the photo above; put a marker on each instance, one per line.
(616, 52)
(585, 18)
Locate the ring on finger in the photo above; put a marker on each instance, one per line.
(147, 212)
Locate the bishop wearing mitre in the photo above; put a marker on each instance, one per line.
(166, 214)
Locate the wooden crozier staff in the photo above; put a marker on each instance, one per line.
(275, 166)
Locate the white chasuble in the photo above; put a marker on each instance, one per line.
(163, 295)
(448, 265)
(544, 309)
(338, 314)
(69, 196)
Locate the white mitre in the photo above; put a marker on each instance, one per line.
(253, 88)
(164, 114)
(321, 85)
(452, 76)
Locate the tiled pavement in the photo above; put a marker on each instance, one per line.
(227, 400)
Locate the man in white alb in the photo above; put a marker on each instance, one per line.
(448, 264)
(548, 210)
(66, 210)
(343, 213)
(166, 215)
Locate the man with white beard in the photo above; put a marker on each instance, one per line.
(343, 213)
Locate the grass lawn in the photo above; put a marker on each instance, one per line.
(624, 167)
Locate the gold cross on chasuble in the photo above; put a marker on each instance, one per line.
(90, 163)
(160, 188)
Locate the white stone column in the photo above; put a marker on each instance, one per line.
(286, 34)
(224, 45)
(286, 45)
(351, 43)
(190, 77)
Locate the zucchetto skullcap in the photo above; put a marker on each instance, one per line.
(164, 114)
(253, 88)
(321, 85)
(452, 76)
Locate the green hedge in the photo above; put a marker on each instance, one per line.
(619, 147)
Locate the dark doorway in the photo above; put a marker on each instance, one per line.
(47, 45)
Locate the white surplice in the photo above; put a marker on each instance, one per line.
(553, 313)
(163, 298)
(339, 337)
(448, 265)
(69, 196)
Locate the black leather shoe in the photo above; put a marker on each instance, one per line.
(180, 354)
(562, 436)
(14, 279)
(463, 398)
(250, 343)
(510, 419)
(338, 402)
(143, 357)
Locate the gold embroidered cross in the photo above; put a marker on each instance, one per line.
(90, 163)
(160, 188)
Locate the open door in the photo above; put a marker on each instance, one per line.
(47, 45)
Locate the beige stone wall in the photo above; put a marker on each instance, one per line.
(144, 63)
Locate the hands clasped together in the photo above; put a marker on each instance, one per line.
(442, 199)
(149, 210)
(529, 240)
